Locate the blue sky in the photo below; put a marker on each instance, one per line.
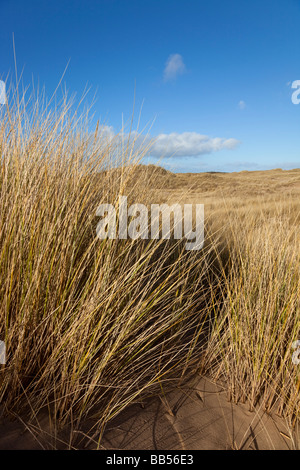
(214, 75)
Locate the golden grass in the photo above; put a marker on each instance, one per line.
(252, 221)
(90, 325)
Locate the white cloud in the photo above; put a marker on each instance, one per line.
(242, 104)
(186, 144)
(189, 144)
(174, 67)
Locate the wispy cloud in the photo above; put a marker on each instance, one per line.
(242, 104)
(174, 67)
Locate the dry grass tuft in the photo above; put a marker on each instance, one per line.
(91, 325)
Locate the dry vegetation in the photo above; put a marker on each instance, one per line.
(91, 325)
(252, 221)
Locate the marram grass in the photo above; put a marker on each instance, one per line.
(92, 325)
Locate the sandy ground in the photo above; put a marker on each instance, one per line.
(192, 417)
(196, 417)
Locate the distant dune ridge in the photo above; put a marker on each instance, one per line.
(248, 182)
(244, 183)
